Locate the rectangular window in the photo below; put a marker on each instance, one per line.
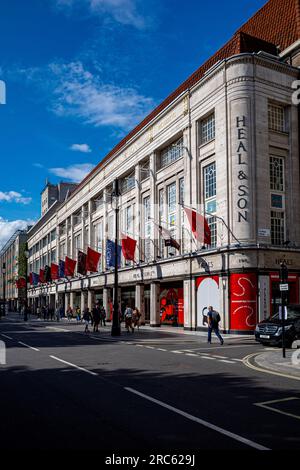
(276, 118)
(161, 221)
(128, 183)
(62, 251)
(53, 235)
(210, 201)
(53, 256)
(172, 212)
(147, 228)
(171, 153)
(277, 173)
(207, 129)
(277, 228)
(182, 214)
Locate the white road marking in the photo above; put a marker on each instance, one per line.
(199, 421)
(160, 349)
(149, 347)
(57, 329)
(207, 357)
(73, 365)
(191, 354)
(266, 403)
(5, 336)
(27, 346)
(220, 357)
(177, 352)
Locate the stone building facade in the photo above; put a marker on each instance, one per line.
(225, 142)
(10, 256)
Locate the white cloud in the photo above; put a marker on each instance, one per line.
(122, 11)
(81, 94)
(74, 173)
(76, 92)
(84, 148)
(8, 228)
(13, 196)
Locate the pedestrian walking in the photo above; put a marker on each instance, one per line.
(96, 318)
(78, 314)
(102, 316)
(213, 319)
(136, 318)
(69, 313)
(38, 312)
(128, 319)
(86, 318)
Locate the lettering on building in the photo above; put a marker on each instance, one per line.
(242, 170)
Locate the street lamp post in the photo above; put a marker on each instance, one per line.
(4, 286)
(116, 330)
(26, 254)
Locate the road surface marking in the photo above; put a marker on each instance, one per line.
(149, 347)
(191, 354)
(27, 346)
(220, 357)
(207, 357)
(177, 352)
(73, 365)
(266, 403)
(5, 336)
(58, 329)
(199, 421)
(247, 363)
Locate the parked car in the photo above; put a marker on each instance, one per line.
(269, 331)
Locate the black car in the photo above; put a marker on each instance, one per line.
(269, 331)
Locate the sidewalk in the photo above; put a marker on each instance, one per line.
(15, 317)
(272, 360)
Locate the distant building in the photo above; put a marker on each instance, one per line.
(55, 192)
(10, 258)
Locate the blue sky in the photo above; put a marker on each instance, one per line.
(80, 74)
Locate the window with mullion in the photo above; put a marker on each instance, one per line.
(172, 213)
(210, 201)
(277, 228)
(207, 129)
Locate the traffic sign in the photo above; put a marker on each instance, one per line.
(284, 287)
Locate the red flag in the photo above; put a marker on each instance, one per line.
(199, 226)
(42, 276)
(69, 267)
(54, 271)
(30, 279)
(128, 247)
(92, 260)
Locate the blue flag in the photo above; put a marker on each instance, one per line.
(110, 254)
(35, 279)
(61, 269)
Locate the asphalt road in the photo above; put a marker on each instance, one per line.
(152, 391)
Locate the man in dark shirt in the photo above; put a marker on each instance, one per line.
(213, 319)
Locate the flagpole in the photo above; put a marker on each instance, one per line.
(217, 217)
(116, 330)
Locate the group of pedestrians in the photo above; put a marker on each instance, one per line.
(132, 318)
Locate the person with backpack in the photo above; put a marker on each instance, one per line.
(213, 319)
(102, 316)
(96, 315)
(128, 319)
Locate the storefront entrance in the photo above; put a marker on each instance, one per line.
(292, 294)
(171, 304)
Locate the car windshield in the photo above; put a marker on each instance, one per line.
(293, 313)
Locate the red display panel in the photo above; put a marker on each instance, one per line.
(171, 306)
(243, 301)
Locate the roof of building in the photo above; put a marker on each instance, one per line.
(272, 29)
